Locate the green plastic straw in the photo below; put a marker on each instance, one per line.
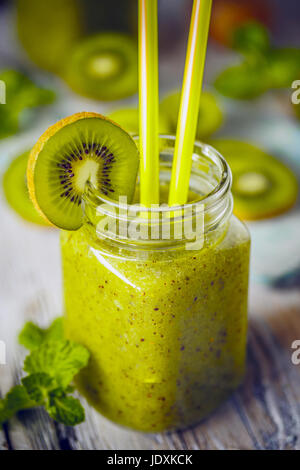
(149, 102)
(190, 102)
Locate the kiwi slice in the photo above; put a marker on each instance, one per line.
(210, 114)
(16, 192)
(85, 147)
(128, 119)
(104, 67)
(263, 186)
(48, 30)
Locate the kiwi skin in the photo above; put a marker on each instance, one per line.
(50, 132)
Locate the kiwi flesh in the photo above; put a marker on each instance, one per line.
(263, 186)
(48, 30)
(85, 147)
(128, 119)
(16, 192)
(210, 114)
(104, 67)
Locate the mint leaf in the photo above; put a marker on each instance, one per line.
(284, 67)
(32, 336)
(56, 330)
(66, 410)
(16, 400)
(243, 81)
(9, 122)
(251, 39)
(38, 387)
(62, 360)
(264, 67)
(21, 94)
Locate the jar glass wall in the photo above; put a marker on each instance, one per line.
(164, 317)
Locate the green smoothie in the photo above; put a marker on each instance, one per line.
(166, 331)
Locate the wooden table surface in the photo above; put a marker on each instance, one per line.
(263, 414)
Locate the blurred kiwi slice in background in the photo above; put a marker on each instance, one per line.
(210, 114)
(48, 30)
(16, 192)
(262, 186)
(128, 119)
(104, 67)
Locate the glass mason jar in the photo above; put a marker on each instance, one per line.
(164, 316)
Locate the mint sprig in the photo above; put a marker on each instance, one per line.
(252, 39)
(22, 94)
(16, 400)
(51, 367)
(263, 66)
(61, 360)
(66, 409)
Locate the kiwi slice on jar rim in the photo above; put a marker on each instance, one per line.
(262, 186)
(104, 67)
(128, 119)
(85, 147)
(16, 191)
(210, 114)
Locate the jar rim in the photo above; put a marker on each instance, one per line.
(208, 201)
